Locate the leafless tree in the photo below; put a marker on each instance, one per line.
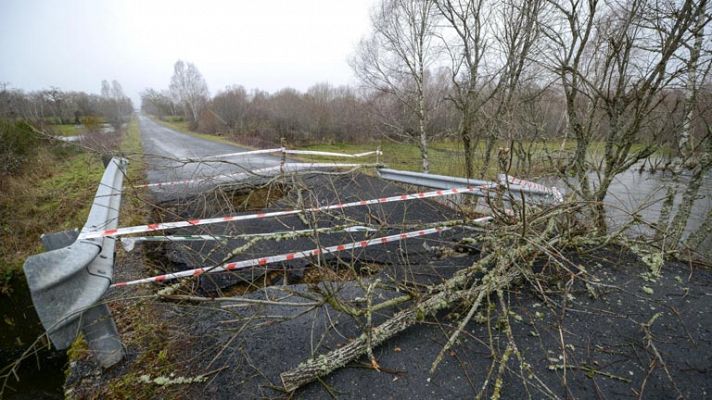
(489, 47)
(698, 68)
(158, 103)
(614, 62)
(467, 48)
(231, 106)
(395, 58)
(189, 88)
(116, 104)
(105, 89)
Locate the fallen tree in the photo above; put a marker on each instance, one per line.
(513, 248)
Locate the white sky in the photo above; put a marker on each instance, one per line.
(266, 44)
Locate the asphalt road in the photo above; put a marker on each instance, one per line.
(167, 151)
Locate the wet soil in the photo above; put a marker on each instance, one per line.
(42, 374)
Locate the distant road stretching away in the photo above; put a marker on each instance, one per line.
(163, 147)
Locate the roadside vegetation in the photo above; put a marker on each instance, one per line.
(51, 191)
(48, 185)
(133, 206)
(67, 130)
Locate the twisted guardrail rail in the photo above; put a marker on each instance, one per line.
(68, 281)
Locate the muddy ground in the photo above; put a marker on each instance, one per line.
(623, 336)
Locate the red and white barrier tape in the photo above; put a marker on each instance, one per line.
(283, 257)
(243, 153)
(269, 171)
(332, 154)
(233, 218)
(130, 242)
(301, 152)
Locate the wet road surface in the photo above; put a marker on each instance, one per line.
(174, 156)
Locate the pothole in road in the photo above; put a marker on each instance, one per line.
(219, 202)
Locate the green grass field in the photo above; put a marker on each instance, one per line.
(53, 192)
(446, 157)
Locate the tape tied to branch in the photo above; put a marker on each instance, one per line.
(129, 243)
(261, 172)
(234, 218)
(264, 261)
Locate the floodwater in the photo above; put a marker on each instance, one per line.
(642, 194)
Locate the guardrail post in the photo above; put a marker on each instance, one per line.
(101, 335)
(66, 283)
(284, 155)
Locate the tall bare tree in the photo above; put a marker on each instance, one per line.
(614, 62)
(467, 48)
(189, 88)
(698, 67)
(395, 58)
(489, 46)
(105, 89)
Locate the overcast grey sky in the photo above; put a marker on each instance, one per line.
(74, 44)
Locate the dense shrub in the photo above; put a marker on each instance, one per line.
(17, 142)
(92, 123)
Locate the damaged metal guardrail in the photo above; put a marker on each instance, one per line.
(530, 189)
(67, 281)
(428, 180)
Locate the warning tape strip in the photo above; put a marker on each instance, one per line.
(258, 172)
(245, 153)
(130, 242)
(283, 257)
(302, 152)
(232, 218)
(331, 154)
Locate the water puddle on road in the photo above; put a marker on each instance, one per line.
(641, 193)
